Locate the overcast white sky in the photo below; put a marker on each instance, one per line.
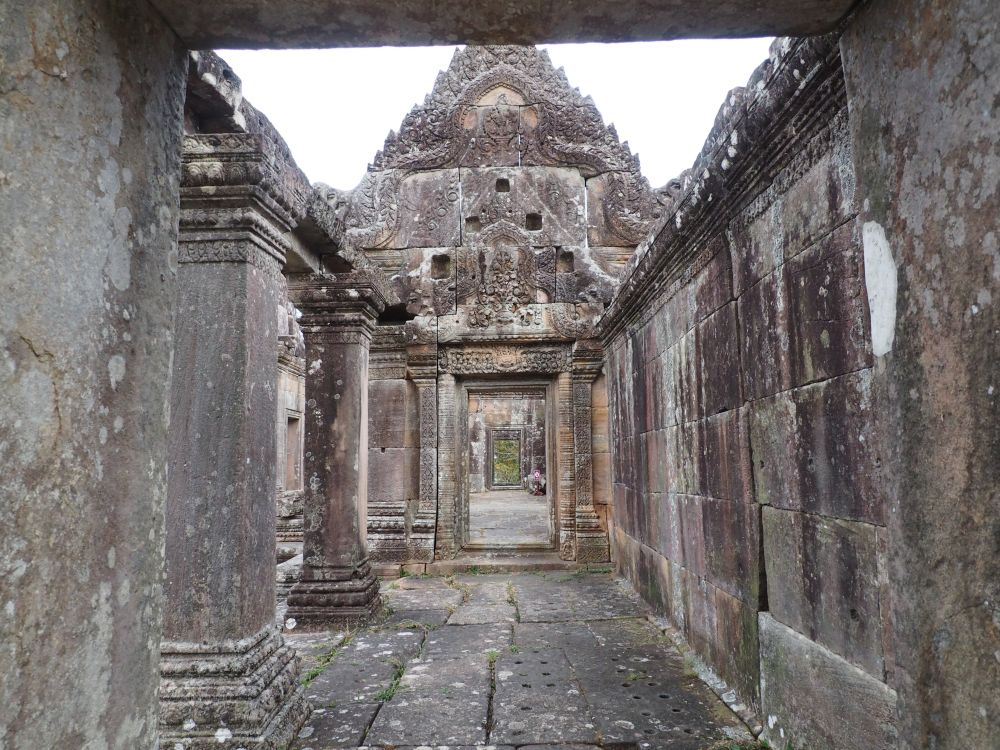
(335, 107)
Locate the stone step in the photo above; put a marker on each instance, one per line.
(488, 563)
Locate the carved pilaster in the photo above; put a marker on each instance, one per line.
(567, 467)
(337, 587)
(591, 538)
(222, 663)
(447, 540)
(422, 369)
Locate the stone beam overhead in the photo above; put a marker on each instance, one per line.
(360, 23)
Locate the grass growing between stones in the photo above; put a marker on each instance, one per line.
(387, 693)
(325, 658)
(465, 588)
(512, 600)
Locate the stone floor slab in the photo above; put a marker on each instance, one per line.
(538, 699)
(338, 727)
(592, 596)
(583, 668)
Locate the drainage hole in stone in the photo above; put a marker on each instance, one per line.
(525, 708)
(550, 684)
(546, 674)
(526, 684)
(651, 684)
(637, 697)
(664, 696)
(675, 710)
(519, 662)
(544, 662)
(646, 713)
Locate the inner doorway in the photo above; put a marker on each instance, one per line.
(510, 502)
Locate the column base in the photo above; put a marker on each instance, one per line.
(387, 533)
(591, 540)
(422, 538)
(243, 693)
(333, 598)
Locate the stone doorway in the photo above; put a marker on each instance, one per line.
(509, 505)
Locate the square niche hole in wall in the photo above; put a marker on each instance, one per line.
(473, 224)
(533, 222)
(565, 261)
(503, 185)
(441, 266)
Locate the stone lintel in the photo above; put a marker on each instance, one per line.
(245, 689)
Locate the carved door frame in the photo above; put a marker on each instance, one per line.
(542, 386)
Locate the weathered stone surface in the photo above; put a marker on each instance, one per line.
(538, 697)
(423, 278)
(392, 416)
(815, 449)
(336, 727)
(823, 583)
(337, 585)
(89, 203)
(546, 203)
(443, 697)
(363, 668)
(316, 25)
(807, 691)
(921, 130)
(430, 210)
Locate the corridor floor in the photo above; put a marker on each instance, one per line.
(508, 518)
(509, 660)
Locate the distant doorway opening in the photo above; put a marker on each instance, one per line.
(510, 506)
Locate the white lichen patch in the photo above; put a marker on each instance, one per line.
(880, 281)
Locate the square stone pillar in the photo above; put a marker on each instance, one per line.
(591, 538)
(421, 364)
(227, 677)
(337, 587)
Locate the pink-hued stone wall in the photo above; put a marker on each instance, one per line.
(745, 460)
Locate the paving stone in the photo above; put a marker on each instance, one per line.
(364, 668)
(596, 671)
(443, 697)
(538, 699)
(338, 727)
(470, 614)
(421, 593)
(410, 618)
(574, 596)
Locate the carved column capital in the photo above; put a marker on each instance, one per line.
(588, 360)
(342, 306)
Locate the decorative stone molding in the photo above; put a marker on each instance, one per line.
(246, 688)
(504, 358)
(791, 99)
(498, 105)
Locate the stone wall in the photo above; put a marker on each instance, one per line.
(749, 503)
(91, 98)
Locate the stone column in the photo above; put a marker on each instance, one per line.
(227, 677)
(422, 369)
(591, 538)
(337, 587)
